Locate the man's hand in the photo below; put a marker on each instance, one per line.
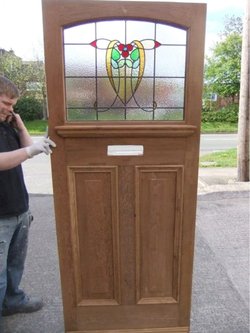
(15, 120)
(41, 146)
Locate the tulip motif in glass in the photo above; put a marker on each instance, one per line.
(125, 64)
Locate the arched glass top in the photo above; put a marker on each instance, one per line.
(124, 70)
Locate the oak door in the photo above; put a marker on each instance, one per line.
(124, 83)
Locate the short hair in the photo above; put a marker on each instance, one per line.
(8, 88)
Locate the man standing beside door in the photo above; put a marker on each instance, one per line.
(16, 146)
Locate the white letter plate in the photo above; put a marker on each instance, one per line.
(125, 150)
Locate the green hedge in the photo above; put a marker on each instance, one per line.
(227, 114)
(29, 108)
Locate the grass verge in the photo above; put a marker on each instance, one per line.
(224, 159)
(217, 127)
(36, 127)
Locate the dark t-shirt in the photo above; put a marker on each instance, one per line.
(13, 193)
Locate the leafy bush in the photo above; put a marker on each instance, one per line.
(29, 108)
(208, 105)
(227, 114)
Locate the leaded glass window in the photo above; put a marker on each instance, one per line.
(124, 70)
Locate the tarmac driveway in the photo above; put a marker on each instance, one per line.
(220, 301)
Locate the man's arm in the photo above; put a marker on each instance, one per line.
(9, 160)
(13, 158)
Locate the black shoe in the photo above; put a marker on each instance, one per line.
(30, 305)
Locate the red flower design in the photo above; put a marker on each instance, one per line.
(125, 49)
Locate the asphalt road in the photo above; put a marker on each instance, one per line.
(217, 142)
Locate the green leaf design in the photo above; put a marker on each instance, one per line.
(134, 55)
(114, 64)
(129, 63)
(136, 63)
(115, 55)
(121, 63)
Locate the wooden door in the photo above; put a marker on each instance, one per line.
(124, 84)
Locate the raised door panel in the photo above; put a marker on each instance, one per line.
(94, 227)
(159, 194)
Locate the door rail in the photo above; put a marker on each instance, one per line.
(135, 130)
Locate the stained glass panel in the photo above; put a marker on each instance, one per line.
(124, 70)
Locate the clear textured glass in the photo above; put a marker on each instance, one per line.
(169, 92)
(83, 33)
(80, 92)
(106, 95)
(81, 114)
(170, 61)
(149, 70)
(140, 30)
(138, 114)
(143, 97)
(170, 35)
(113, 114)
(79, 60)
(169, 114)
(111, 30)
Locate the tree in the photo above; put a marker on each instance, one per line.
(232, 24)
(243, 125)
(11, 66)
(222, 69)
(29, 76)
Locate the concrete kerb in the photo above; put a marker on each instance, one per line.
(204, 188)
(220, 180)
